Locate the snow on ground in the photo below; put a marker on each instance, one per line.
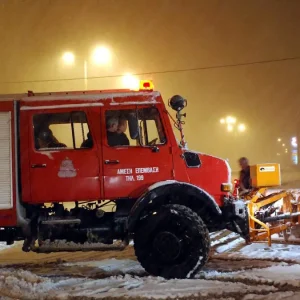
(3, 246)
(279, 275)
(236, 271)
(113, 265)
(212, 285)
(29, 286)
(215, 240)
(231, 244)
(159, 288)
(237, 276)
(263, 251)
(20, 283)
(274, 296)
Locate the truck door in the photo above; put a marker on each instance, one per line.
(133, 162)
(63, 159)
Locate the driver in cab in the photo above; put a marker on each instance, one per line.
(115, 130)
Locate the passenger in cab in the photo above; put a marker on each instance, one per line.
(122, 127)
(88, 143)
(46, 139)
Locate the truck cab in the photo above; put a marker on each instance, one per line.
(92, 170)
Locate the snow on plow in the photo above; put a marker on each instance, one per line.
(270, 214)
(271, 211)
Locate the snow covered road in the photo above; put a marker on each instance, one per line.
(235, 271)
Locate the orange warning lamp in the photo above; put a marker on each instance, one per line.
(146, 85)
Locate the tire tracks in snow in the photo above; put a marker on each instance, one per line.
(227, 267)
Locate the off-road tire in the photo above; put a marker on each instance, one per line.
(188, 227)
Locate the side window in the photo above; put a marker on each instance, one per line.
(120, 125)
(117, 127)
(61, 131)
(151, 128)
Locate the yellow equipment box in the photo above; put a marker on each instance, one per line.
(265, 175)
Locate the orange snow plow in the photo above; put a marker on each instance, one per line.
(270, 213)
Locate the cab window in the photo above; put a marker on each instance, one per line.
(129, 127)
(61, 131)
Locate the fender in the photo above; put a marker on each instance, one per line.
(168, 187)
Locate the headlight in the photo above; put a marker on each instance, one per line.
(226, 187)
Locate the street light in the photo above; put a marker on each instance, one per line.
(231, 125)
(100, 55)
(230, 120)
(241, 127)
(130, 82)
(68, 58)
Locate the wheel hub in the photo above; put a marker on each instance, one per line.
(167, 245)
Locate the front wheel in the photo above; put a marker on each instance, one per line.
(172, 242)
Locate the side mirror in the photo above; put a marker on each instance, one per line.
(133, 126)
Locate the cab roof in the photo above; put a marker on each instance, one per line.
(83, 98)
(80, 95)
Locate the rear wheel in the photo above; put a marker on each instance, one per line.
(172, 242)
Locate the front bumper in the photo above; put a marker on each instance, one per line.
(235, 213)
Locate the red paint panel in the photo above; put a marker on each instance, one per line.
(137, 167)
(54, 182)
(209, 177)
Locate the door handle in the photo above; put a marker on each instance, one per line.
(35, 166)
(111, 162)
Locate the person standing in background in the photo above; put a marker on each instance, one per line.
(245, 179)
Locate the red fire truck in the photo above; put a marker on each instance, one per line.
(93, 170)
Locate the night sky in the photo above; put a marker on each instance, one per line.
(166, 35)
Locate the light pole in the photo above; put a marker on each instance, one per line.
(85, 72)
(100, 56)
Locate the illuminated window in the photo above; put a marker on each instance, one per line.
(129, 127)
(61, 131)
